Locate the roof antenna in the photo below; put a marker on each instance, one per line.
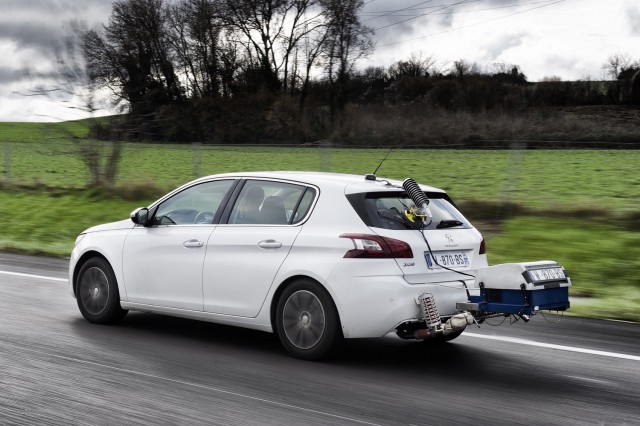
(372, 176)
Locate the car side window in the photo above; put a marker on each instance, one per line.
(270, 203)
(195, 205)
(304, 205)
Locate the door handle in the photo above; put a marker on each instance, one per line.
(269, 244)
(193, 244)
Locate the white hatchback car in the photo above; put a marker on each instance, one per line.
(313, 257)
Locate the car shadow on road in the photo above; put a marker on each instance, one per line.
(164, 340)
(162, 332)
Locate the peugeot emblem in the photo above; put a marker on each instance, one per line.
(448, 237)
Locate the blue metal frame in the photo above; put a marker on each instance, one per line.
(522, 302)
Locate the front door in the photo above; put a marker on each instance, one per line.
(162, 263)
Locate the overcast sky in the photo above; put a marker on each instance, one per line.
(570, 39)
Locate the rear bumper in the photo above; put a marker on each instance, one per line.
(372, 306)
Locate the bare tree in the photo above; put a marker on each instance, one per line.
(462, 68)
(615, 64)
(509, 73)
(347, 41)
(272, 30)
(196, 33)
(312, 46)
(415, 66)
(131, 55)
(306, 20)
(73, 86)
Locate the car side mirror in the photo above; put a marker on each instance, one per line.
(140, 216)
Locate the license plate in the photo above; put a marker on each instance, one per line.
(546, 274)
(447, 259)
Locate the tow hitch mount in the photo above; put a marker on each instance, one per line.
(521, 289)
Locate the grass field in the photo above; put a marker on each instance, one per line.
(601, 259)
(550, 179)
(600, 251)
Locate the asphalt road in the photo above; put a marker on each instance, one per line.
(56, 368)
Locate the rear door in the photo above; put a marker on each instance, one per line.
(245, 254)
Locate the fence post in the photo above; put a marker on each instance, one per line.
(514, 162)
(197, 158)
(7, 163)
(325, 156)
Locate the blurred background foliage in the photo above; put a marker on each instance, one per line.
(545, 169)
(580, 207)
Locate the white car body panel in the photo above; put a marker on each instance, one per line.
(159, 270)
(107, 240)
(238, 272)
(252, 323)
(231, 280)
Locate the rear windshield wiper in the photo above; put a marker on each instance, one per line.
(448, 224)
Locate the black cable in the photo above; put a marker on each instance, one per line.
(424, 14)
(486, 321)
(424, 237)
(436, 260)
(398, 10)
(509, 6)
(552, 322)
(466, 26)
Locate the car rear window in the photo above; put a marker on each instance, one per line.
(385, 210)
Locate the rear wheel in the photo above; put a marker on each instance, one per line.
(97, 292)
(307, 321)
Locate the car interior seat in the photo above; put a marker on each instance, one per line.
(272, 211)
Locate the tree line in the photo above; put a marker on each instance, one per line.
(216, 61)
(250, 71)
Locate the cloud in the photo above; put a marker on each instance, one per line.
(49, 7)
(496, 48)
(41, 24)
(394, 21)
(31, 35)
(633, 15)
(9, 75)
(389, 17)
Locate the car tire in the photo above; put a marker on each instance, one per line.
(307, 321)
(97, 292)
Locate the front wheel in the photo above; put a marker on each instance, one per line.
(97, 292)
(307, 321)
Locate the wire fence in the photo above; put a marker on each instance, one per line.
(542, 178)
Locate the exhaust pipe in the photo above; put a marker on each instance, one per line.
(424, 333)
(457, 323)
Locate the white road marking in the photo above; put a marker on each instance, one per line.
(40, 277)
(197, 385)
(553, 346)
(588, 379)
(481, 336)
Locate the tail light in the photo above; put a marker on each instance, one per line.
(483, 247)
(374, 246)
